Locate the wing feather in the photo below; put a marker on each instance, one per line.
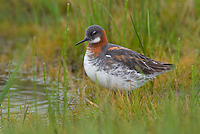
(137, 61)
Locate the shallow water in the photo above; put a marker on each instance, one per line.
(21, 92)
(22, 89)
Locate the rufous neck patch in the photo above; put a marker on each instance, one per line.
(97, 47)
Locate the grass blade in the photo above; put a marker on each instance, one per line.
(149, 34)
(137, 35)
(10, 80)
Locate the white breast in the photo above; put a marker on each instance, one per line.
(108, 80)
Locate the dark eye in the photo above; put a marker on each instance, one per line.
(94, 32)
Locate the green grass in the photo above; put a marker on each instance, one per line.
(163, 30)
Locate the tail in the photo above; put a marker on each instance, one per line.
(170, 66)
(161, 67)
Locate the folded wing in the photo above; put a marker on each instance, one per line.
(139, 62)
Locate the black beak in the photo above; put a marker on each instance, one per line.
(85, 39)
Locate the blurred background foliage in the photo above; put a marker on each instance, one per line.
(21, 20)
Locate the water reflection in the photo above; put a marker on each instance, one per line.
(21, 92)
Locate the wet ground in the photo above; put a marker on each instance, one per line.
(22, 91)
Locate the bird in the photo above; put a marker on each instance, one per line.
(115, 67)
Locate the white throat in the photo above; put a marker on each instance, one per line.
(96, 40)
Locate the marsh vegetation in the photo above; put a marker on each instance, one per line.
(44, 88)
